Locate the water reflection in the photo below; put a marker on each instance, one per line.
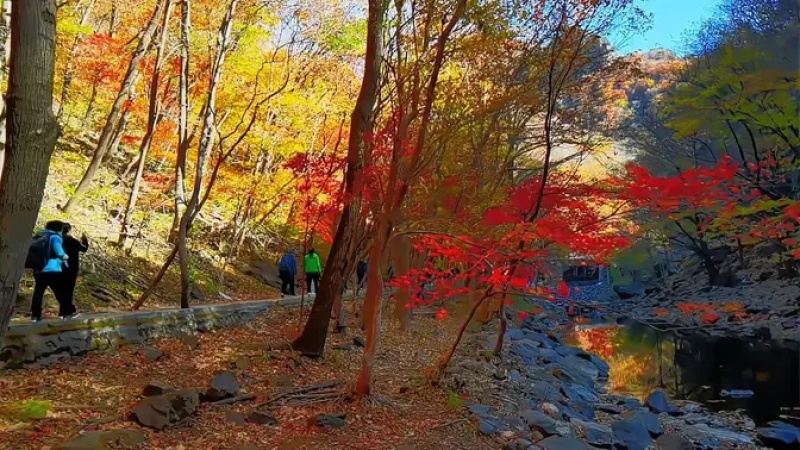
(699, 368)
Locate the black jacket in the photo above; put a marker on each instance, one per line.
(73, 248)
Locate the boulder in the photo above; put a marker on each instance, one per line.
(330, 420)
(673, 441)
(525, 349)
(650, 422)
(539, 421)
(359, 342)
(151, 353)
(609, 409)
(562, 443)
(631, 435)
(161, 410)
(594, 433)
(778, 437)
(261, 418)
(514, 334)
(104, 440)
(156, 388)
(579, 393)
(235, 418)
(703, 431)
(223, 385)
(570, 374)
(488, 425)
(657, 402)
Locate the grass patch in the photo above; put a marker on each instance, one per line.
(455, 402)
(27, 410)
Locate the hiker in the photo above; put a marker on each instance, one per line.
(46, 257)
(313, 267)
(287, 270)
(361, 274)
(69, 275)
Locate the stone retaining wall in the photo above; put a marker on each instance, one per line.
(41, 343)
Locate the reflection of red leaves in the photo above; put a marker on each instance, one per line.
(442, 314)
(523, 315)
(563, 289)
(709, 318)
(661, 312)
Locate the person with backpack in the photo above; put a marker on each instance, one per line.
(69, 275)
(313, 267)
(46, 257)
(287, 271)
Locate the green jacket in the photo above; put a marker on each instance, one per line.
(312, 263)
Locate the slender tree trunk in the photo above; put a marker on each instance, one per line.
(400, 249)
(118, 133)
(116, 109)
(153, 118)
(372, 311)
(183, 118)
(315, 332)
(90, 106)
(69, 69)
(204, 149)
(32, 134)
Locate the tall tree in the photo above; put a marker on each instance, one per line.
(315, 333)
(153, 118)
(116, 112)
(32, 134)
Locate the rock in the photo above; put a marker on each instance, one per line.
(161, 410)
(696, 419)
(631, 435)
(570, 375)
(151, 353)
(189, 340)
(242, 363)
(749, 425)
(657, 402)
(539, 421)
(544, 391)
(500, 374)
(594, 433)
(488, 426)
(525, 349)
(603, 368)
(224, 385)
(104, 440)
(330, 420)
(235, 418)
(650, 422)
(359, 342)
(579, 393)
(609, 409)
(692, 408)
(479, 410)
(577, 410)
(514, 376)
(155, 388)
(514, 334)
(261, 418)
(672, 441)
(562, 443)
(778, 437)
(698, 432)
(542, 339)
(584, 365)
(550, 409)
(566, 350)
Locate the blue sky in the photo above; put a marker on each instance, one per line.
(670, 20)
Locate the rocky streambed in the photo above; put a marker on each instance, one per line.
(546, 394)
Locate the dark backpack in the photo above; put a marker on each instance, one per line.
(38, 252)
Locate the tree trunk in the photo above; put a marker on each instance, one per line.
(400, 250)
(315, 332)
(116, 109)
(118, 133)
(372, 310)
(32, 134)
(68, 70)
(183, 118)
(153, 118)
(204, 148)
(444, 361)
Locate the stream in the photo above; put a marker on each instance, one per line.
(764, 376)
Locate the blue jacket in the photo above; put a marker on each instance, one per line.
(54, 265)
(288, 264)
